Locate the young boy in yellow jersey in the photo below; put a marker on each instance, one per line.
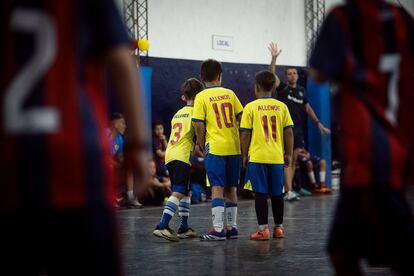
(216, 111)
(267, 145)
(177, 158)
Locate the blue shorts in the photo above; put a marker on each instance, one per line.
(223, 171)
(265, 178)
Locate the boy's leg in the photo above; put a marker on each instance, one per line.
(163, 230)
(170, 209)
(184, 231)
(179, 172)
(215, 170)
(231, 212)
(184, 212)
(233, 163)
(262, 210)
(276, 176)
(217, 207)
(256, 176)
(278, 209)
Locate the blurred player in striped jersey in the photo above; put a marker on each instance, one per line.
(367, 48)
(57, 183)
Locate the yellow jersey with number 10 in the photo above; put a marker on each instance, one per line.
(266, 118)
(218, 108)
(181, 142)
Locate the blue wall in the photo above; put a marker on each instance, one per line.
(320, 145)
(169, 74)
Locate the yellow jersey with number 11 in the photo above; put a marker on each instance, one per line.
(266, 118)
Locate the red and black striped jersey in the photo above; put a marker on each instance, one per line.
(367, 48)
(53, 109)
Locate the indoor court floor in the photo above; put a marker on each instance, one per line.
(301, 252)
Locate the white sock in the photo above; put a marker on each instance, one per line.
(130, 195)
(311, 176)
(322, 176)
(217, 212)
(184, 211)
(231, 215)
(263, 227)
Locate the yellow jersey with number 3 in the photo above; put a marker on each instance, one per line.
(266, 118)
(181, 142)
(218, 108)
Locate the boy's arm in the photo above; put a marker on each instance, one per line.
(164, 141)
(160, 153)
(200, 132)
(288, 141)
(125, 79)
(245, 137)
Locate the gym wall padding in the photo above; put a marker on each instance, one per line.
(169, 74)
(320, 145)
(146, 76)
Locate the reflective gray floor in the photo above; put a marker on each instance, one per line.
(301, 252)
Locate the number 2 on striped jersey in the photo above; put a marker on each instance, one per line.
(265, 123)
(225, 108)
(178, 127)
(33, 120)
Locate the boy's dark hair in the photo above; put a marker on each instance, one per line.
(156, 123)
(116, 116)
(266, 80)
(210, 70)
(191, 87)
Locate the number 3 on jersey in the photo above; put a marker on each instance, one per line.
(265, 123)
(226, 112)
(178, 127)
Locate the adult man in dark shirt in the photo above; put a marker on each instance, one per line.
(294, 96)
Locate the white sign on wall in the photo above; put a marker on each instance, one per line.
(224, 43)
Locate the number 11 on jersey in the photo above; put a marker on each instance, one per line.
(265, 123)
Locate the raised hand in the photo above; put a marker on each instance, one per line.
(274, 51)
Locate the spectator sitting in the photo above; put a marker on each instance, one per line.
(158, 189)
(116, 135)
(159, 146)
(310, 164)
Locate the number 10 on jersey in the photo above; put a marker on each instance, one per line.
(226, 112)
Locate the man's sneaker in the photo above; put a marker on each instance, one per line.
(291, 196)
(304, 192)
(133, 203)
(322, 189)
(325, 189)
(278, 233)
(165, 233)
(214, 235)
(232, 233)
(263, 235)
(188, 233)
